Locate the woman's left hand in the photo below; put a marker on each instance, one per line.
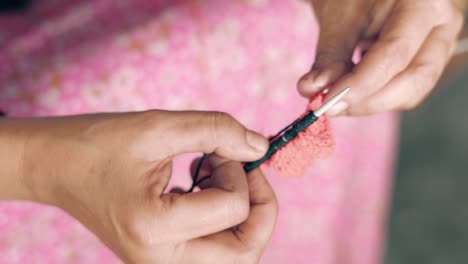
(407, 42)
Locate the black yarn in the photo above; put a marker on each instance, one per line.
(195, 183)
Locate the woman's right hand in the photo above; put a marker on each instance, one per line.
(408, 44)
(110, 171)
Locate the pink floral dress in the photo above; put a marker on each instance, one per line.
(243, 57)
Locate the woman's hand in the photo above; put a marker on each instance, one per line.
(406, 45)
(110, 172)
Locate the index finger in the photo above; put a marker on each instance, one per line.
(402, 36)
(250, 237)
(223, 205)
(256, 231)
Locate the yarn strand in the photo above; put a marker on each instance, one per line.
(195, 183)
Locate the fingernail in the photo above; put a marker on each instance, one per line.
(309, 82)
(321, 81)
(257, 141)
(337, 109)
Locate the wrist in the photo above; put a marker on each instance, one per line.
(13, 138)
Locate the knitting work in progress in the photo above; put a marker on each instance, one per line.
(300, 150)
(298, 144)
(316, 142)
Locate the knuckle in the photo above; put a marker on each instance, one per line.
(222, 123)
(428, 75)
(330, 55)
(425, 78)
(338, 51)
(446, 47)
(398, 46)
(239, 207)
(447, 11)
(432, 76)
(366, 86)
(411, 104)
(222, 120)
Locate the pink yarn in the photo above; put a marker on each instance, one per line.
(314, 143)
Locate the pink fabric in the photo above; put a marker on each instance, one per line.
(243, 57)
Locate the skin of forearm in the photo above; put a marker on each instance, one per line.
(13, 137)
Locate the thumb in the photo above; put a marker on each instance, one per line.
(213, 132)
(340, 29)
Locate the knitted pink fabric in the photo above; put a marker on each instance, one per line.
(314, 143)
(243, 57)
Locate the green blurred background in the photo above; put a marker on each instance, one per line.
(429, 217)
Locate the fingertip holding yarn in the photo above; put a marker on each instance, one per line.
(316, 142)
